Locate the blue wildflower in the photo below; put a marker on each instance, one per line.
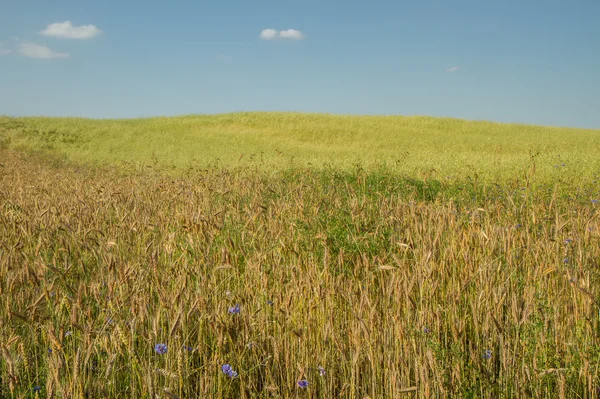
(188, 348)
(566, 260)
(487, 354)
(269, 302)
(234, 309)
(594, 201)
(37, 388)
(230, 372)
(303, 383)
(426, 330)
(161, 349)
(568, 241)
(321, 371)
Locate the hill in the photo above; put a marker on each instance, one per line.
(442, 147)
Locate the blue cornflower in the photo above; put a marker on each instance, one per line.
(269, 302)
(231, 373)
(566, 260)
(594, 201)
(321, 371)
(518, 225)
(188, 348)
(234, 309)
(161, 349)
(49, 350)
(487, 354)
(426, 330)
(37, 388)
(568, 241)
(303, 383)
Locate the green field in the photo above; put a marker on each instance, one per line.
(418, 146)
(372, 257)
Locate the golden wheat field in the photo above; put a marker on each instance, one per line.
(123, 281)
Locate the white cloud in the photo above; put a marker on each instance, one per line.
(290, 34)
(4, 50)
(268, 34)
(33, 50)
(453, 69)
(66, 30)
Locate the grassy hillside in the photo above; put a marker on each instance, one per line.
(338, 257)
(440, 147)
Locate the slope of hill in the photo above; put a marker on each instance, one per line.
(443, 147)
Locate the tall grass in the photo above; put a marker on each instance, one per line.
(418, 146)
(363, 282)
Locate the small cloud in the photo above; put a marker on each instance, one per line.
(268, 34)
(290, 34)
(453, 69)
(66, 30)
(34, 50)
(223, 57)
(4, 50)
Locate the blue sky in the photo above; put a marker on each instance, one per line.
(502, 60)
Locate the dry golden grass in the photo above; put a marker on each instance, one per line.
(395, 287)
